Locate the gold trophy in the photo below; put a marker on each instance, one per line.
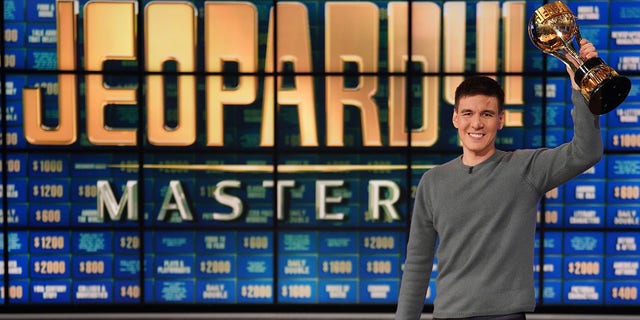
(553, 30)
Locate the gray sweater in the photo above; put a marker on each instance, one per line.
(485, 220)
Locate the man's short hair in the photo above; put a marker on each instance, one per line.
(480, 85)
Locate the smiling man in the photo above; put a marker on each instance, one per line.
(478, 115)
(481, 209)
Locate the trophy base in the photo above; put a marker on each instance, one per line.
(609, 94)
(601, 85)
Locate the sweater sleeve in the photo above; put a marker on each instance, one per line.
(552, 167)
(419, 260)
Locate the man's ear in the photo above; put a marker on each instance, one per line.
(502, 120)
(454, 119)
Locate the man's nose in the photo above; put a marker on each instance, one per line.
(477, 123)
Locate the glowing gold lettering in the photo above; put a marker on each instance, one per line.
(109, 33)
(487, 27)
(426, 51)
(35, 131)
(454, 16)
(165, 40)
(294, 46)
(488, 15)
(513, 20)
(346, 41)
(230, 35)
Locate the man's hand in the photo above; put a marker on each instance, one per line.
(587, 51)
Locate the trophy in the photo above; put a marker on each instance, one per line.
(553, 30)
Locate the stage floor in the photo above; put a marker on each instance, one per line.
(276, 316)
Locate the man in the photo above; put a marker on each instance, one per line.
(482, 208)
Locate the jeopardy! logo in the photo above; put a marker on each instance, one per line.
(231, 39)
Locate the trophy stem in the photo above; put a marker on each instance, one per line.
(571, 53)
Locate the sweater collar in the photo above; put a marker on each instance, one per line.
(470, 169)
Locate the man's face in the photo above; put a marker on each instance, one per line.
(478, 121)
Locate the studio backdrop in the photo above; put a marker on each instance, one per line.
(267, 152)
